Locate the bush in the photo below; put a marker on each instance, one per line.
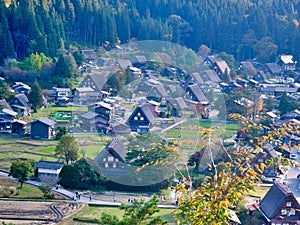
(6, 192)
(86, 220)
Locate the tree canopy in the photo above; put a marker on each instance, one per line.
(21, 170)
(46, 27)
(35, 96)
(67, 148)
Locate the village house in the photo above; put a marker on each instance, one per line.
(96, 81)
(124, 64)
(89, 121)
(157, 93)
(210, 75)
(48, 170)
(263, 156)
(260, 76)
(142, 118)
(59, 93)
(112, 158)
(7, 117)
(20, 104)
(118, 128)
(21, 88)
(89, 56)
(84, 95)
(139, 61)
(279, 206)
(178, 106)
(195, 94)
(247, 65)
(43, 129)
(287, 62)
(195, 78)
(221, 68)
(61, 96)
(18, 127)
(273, 69)
(210, 61)
(98, 117)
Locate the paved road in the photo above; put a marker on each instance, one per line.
(83, 199)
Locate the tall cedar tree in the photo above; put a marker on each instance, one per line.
(35, 96)
(6, 42)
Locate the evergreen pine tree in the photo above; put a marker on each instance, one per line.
(35, 96)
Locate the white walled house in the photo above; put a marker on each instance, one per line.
(48, 169)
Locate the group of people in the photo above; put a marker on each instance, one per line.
(77, 196)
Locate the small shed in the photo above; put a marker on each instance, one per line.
(48, 169)
(43, 129)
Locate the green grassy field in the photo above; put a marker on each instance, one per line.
(27, 191)
(190, 129)
(91, 212)
(47, 112)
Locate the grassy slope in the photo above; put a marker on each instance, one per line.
(96, 211)
(27, 191)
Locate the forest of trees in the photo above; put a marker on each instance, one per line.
(236, 27)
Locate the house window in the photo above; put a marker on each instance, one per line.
(117, 160)
(104, 159)
(139, 114)
(292, 212)
(135, 118)
(288, 204)
(283, 212)
(285, 224)
(114, 165)
(142, 118)
(260, 160)
(110, 158)
(106, 165)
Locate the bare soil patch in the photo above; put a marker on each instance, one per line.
(28, 212)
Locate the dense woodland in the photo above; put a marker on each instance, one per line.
(236, 27)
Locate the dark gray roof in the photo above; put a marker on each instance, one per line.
(114, 147)
(196, 78)
(211, 58)
(247, 65)
(148, 112)
(49, 165)
(124, 63)
(198, 92)
(160, 90)
(273, 68)
(22, 99)
(274, 199)
(286, 89)
(141, 59)
(211, 75)
(56, 89)
(222, 65)
(89, 115)
(20, 122)
(178, 103)
(98, 78)
(46, 121)
(9, 112)
(147, 109)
